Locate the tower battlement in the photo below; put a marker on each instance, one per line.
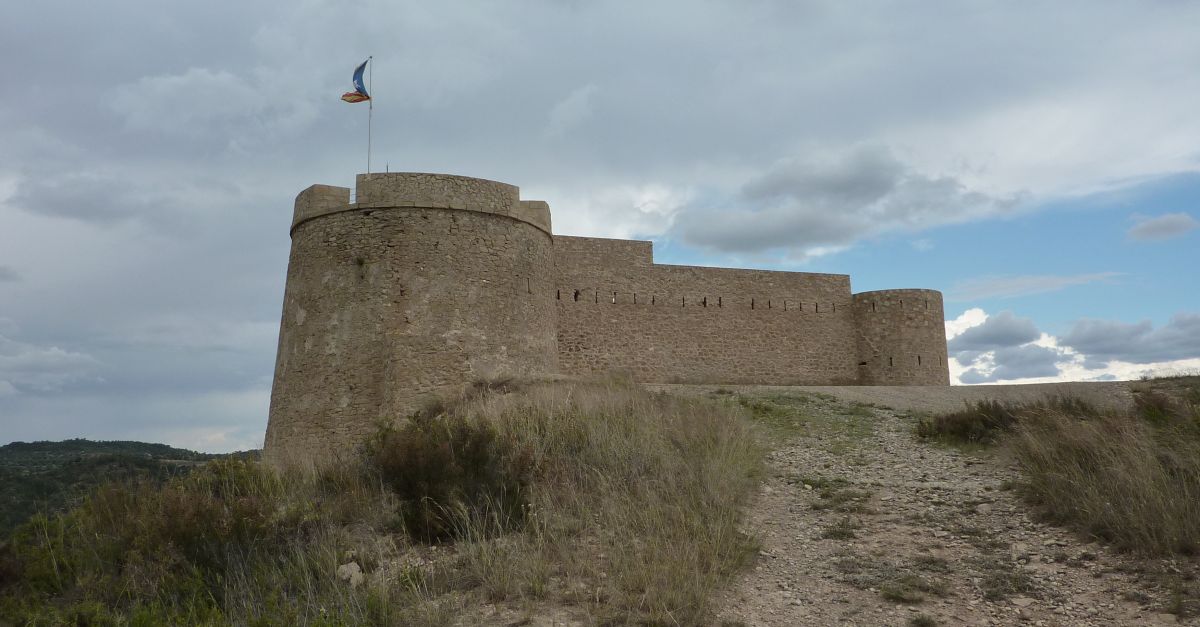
(429, 191)
(429, 281)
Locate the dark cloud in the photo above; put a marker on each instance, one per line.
(819, 202)
(1017, 362)
(1001, 330)
(1162, 227)
(82, 197)
(1103, 341)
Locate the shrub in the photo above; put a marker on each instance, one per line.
(986, 422)
(1117, 477)
(596, 494)
(444, 465)
(982, 423)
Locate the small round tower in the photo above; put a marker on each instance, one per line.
(901, 338)
(424, 283)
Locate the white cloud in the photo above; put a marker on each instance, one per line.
(1161, 227)
(1023, 285)
(622, 211)
(1092, 350)
(28, 367)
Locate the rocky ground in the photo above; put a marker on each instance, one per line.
(861, 524)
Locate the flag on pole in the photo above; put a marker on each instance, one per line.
(360, 90)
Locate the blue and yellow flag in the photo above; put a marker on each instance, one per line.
(360, 90)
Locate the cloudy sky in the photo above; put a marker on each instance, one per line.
(1038, 164)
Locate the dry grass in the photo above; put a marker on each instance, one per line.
(1130, 478)
(596, 496)
(1116, 477)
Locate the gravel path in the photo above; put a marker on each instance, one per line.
(863, 525)
(1114, 395)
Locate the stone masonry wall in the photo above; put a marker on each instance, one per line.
(685, 324)
(390, 300)
(430, 281)
(901, 336)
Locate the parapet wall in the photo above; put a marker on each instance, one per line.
(687, 324)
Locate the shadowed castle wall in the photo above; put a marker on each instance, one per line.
(686, 324)
(425, 283)
(901, 337)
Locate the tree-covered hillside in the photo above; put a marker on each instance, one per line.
(51, 475)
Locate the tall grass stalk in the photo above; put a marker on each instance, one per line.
(1116, 477)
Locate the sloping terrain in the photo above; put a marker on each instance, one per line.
(863, 524)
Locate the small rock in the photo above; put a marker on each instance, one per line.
(984, 508)
(350, 572)
(1022, 601)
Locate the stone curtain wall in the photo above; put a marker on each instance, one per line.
(901, 337)
(663, 323)
(430, 282)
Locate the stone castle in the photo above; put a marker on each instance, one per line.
(430, 281)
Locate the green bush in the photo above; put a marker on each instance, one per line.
(448, 468)
(982, 423)
(986, 422)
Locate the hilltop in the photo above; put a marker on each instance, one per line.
(52, 475)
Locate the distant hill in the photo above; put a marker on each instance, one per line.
(40, 476)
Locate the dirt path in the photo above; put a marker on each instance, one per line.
(863, 525)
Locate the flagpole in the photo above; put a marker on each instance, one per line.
(370, 110)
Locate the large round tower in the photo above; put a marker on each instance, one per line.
(425, 282)
(901, 338)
